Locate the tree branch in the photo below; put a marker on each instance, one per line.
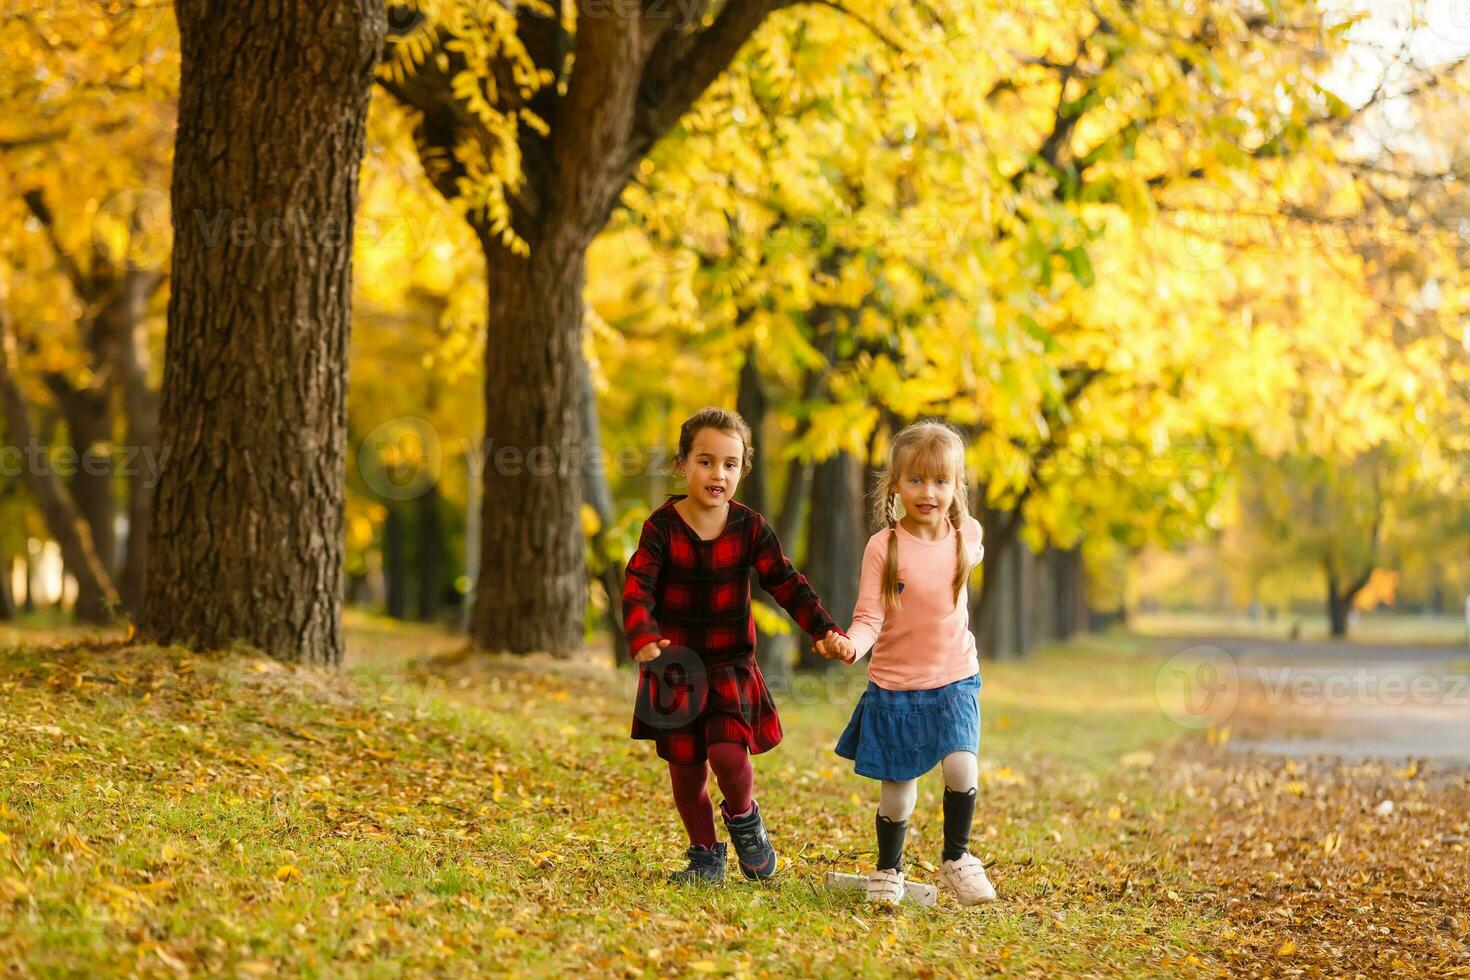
(36, 202)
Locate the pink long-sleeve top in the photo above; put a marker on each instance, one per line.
(926, 642)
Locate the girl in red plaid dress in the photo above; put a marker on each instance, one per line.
(686, 611)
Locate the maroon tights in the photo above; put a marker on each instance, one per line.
(731, 764)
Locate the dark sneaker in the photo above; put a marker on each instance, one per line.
(758, 859)
(706, 866)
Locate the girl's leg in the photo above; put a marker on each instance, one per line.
(731, 764)
(960, 782)
(692, 800)
(895, 805)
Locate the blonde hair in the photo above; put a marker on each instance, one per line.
(928, 448)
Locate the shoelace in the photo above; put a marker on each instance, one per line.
(748, 839)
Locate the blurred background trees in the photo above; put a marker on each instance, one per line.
(1189, 280)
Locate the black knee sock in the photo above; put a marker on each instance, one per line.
(959, 812)
(890, 843)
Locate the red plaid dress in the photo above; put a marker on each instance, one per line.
(706, 687)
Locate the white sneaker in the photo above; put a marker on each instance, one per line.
(965, 876)
(885, 887)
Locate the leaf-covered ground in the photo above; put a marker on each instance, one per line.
(430, 812)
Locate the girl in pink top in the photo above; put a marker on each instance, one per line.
(921, 705)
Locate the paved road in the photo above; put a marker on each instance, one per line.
(1347, 700)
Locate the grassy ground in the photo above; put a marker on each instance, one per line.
(1404, 629)
(430, 812)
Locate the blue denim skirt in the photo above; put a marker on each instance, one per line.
(900, 735)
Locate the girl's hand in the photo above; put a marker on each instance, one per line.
(650, 650)
(835, 646)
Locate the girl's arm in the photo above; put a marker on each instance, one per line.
(867, 616)
(788, 586)
(640, 589)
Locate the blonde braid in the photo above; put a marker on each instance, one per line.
(890, 566)
(961, 556)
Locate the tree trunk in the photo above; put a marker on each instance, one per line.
(531, 590)
(1340, 598)
(63, 519)
(835, 543)
(1337, 617)
(140, 404)
(7, 595)
(89, 423)
(247, 538)
(395, 562)
(431, 555)
(600, 498)
(772, 650)
(28, 603)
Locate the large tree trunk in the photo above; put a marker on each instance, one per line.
(835, 543)
(247, 535)
(531, 590)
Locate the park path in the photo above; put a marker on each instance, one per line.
(1354, 701)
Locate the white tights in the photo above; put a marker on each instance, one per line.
(896, 801)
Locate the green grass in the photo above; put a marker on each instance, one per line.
(1407, 629)
(172, 814)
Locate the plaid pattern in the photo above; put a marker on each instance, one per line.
(706, 687)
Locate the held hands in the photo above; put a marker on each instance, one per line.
(835, 646)
(650, 650)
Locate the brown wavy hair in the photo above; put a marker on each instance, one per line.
(730, 423)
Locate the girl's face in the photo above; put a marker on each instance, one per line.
(925, 496)
(713, 467)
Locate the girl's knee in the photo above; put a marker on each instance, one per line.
(961, 771)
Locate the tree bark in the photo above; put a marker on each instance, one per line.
(89, 424)
(600, 498)
(7, 594)
(63, 519)
(835, 543)
(140, 404)
(431, 555)
(246, 541)
(1340, 597)
(395, 562)
(531, 590)
(772, 650)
